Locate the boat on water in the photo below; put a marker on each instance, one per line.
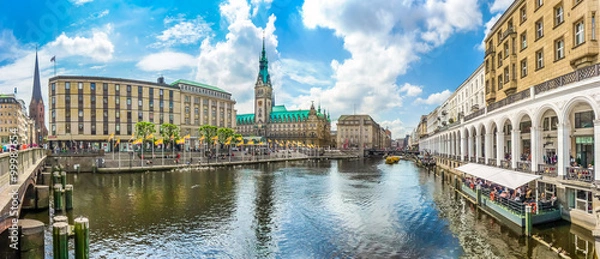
(392, 159)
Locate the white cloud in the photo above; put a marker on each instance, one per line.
(98, 47)
(396, 127)
(166, 61)
(103, 13)
(183, 31)
(80, 2)
(382, 49)
(436, 98)
(500, 5)
(233, 64)
(411, 90)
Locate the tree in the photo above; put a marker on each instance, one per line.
(143, 129)
(208, 132)
(224, 134)
(169, 132)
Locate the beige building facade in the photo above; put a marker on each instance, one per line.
(13, 116)
(356, 130)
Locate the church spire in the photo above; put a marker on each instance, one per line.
(263, 73)
(37, 89)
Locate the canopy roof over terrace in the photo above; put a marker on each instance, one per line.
(504, 177)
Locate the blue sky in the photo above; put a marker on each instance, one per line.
(392, 59)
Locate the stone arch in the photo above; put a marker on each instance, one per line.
(577, 100)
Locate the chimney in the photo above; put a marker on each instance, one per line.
(161, 80)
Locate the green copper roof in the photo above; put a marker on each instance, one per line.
(263, 72)
(279, 114)
(279, 108)
(192, 83)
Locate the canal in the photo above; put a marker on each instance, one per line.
(327, 209)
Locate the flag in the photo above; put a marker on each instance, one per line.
(251, 142)
(132, 137)
(261, 143)
(215, 138)
(53, 59)
(158, 142)
(118, 141)
(172, 136)
(269, 140)
(138, 141)
(202, 138)
(187, 136)
(240, 139)
(150, 136)
(180, 141)
(228, 142)
(112, 136)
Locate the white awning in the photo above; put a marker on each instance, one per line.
(504, 177)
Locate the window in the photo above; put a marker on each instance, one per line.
(539, 29)
(523, 13)
(81, 113)
(558, 15)
(160, 92)
(140, 116)
(53, 100)
(53, 86)
(506, 50)
(506, 75)
(105, 100)
(559, 49)
(116, 100)
(500, 59)
(105, 114)
(105, 87)
(539, 57)
(584, 119)
(80, 86)
(579, 33)
(117, 87)
(140, 90)
(128, 101)
(118, 114)
(500, 82)
(539, 3)
(593, 26)
(93, 86)
(140, 103)
(128, 88)
(523, 68)
(580, 200)
(67, 85)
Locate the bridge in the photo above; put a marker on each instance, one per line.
(18, 175)
(382, 152)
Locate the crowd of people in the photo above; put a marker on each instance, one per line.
(519, 197)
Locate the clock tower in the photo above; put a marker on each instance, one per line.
(263, 95)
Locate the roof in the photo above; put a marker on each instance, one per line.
(354, 117)
(504, 177)
(102, 78)
(192, 83)
(279, 114)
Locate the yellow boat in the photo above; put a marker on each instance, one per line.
(392, 159)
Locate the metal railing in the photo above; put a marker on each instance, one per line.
(548, 170)
(580, 174)
(472, 159)
(577, 75)
(505, 164)
(474, 115)
(524, 166)
(481, 160)
(492, 162)
(509, 100)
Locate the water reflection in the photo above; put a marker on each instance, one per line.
(337, 209)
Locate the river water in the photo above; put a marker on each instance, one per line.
(327, 209)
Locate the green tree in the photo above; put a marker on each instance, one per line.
(169, 132)
(143, 129)
(208, 132)
(224, 134)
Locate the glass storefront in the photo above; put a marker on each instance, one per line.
(585, 150)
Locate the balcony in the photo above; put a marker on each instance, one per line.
(490, 97)
(492, 162)
(481, 160)
(524, 166)
(489, 51)
(510, 31)
(547, 170)
(505, 164)
(580, 174)
(510, 87)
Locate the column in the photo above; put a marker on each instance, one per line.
(478, 147)
(564, 130)
(499, 148)
(452, 146)
(463, 148)
(515, 150)
(535, 148)
(596, 147)
(470, 147)
(489, 142)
